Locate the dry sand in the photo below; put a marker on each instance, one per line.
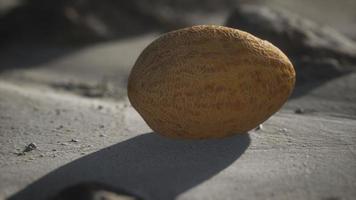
(294, 156)
(72, 104)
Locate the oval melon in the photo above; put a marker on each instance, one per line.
(209, 82)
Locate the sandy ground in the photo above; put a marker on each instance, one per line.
(88, 132)
(71, 102)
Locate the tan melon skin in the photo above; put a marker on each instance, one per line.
(209, 82)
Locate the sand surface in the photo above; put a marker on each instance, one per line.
(88, 132)
(71, 103)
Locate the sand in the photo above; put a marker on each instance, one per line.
(81, 138)
(71, 103)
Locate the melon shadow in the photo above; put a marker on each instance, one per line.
(148, 165)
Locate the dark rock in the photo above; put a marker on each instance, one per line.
(74, 21)
(84, 21)
(299, 111)
(74, 140)
(30, 147)
(295, 35)
(317, 52)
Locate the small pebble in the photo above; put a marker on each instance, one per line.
(74, 140)
(299, 111)
(101, 126)
(30, 147)
(102, 135)
(283, 130)
(100, 107)
(259, 127)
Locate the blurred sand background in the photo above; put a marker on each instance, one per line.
(63, 87)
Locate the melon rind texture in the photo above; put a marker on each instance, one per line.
(209, 82)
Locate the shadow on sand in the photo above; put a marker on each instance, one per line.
(147, 165)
